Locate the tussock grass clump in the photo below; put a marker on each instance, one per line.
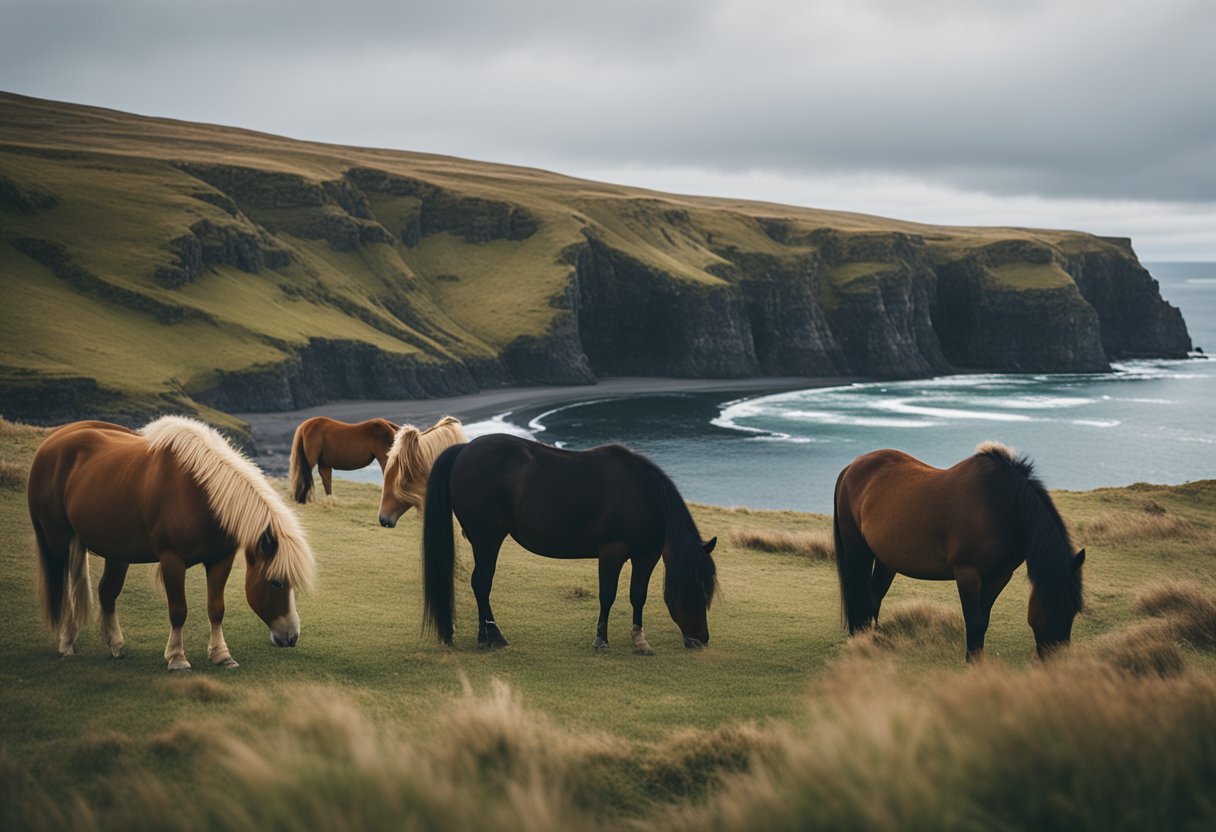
(12, 476)
(1153, 522)
(912, 625)
(196, 687)
(1064, 746)
(1184, 609)
(1145, 649)
(815, 545)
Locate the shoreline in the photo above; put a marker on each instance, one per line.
(272, 431)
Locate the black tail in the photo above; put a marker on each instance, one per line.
(439, 548)
(855, 566)
(301, 468)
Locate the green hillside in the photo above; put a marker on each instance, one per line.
(151, 264)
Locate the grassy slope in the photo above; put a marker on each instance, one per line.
(121, 202)
(774, 632)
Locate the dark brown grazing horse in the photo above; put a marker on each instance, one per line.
(329, 444)
(973, 524)
(607, 503)
(176, 494)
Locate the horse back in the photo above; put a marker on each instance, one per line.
(924, 521)
(100, 482)
(555, 502)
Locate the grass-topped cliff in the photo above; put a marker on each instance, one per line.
(151, 264)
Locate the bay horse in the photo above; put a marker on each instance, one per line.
(607, 503)
(329, 444)
(175, 494)
(409, 464)
(974, 523)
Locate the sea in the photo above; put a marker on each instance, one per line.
(1145, 421)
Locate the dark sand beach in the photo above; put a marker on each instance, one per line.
(272, 432)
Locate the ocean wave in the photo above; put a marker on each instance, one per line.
(905, 406)
(496, 424)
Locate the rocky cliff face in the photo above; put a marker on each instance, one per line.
(319, 273)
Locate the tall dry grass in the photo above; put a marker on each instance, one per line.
(1153, 522)
(911, 625)
(1067, 746)
(817, 545)
(1072, 744)
(1179, 615)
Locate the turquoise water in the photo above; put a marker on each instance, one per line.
(1146, 421)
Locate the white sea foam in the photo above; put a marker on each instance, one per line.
(496, 424)
(1097, 423)
(905, 406)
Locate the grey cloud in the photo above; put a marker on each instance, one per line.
(1073, 99)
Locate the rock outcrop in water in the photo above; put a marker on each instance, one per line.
(239, 271)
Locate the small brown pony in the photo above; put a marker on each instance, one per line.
(974, 523)
(175, 494)
(329, 444)
(409, 464)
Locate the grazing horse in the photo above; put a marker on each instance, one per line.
(607, 503)
(973, 523)
(329, 444)
(176, 494)
(409, 464)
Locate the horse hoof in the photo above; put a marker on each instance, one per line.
(643, 650)
(67, 652)
(600, 645)
(226, 662)
(179, 666)
(118, 651)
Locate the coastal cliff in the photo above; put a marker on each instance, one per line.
(154, 265)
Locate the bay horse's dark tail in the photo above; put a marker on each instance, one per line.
(854, 565)
(439, 548)
(301, 468)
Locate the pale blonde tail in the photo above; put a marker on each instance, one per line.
(76, 602)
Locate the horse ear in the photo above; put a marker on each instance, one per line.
(709, 545)
(1078, 559)
(269, 544)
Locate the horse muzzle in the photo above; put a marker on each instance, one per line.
(285, 632)
(387, 522)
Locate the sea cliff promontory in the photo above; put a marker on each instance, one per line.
(153, 265)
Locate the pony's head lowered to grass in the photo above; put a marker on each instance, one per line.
(278, 560)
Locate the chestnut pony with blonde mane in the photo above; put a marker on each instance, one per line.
(409, 464)
(329, 444)
(175, 494)
(973, 524)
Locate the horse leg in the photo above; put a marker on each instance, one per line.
(112, 579)
(639, 584)
(970, 587)
(217, 578)
(610, 576)
(173, 572)
(327, 478)
(880, 583)
(993, 585)
(485, 561)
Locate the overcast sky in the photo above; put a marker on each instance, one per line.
(1092, 115)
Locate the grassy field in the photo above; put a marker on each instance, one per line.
(779, 724)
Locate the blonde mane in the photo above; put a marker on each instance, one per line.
(415, 452)
(241, 498)
(991, 448)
